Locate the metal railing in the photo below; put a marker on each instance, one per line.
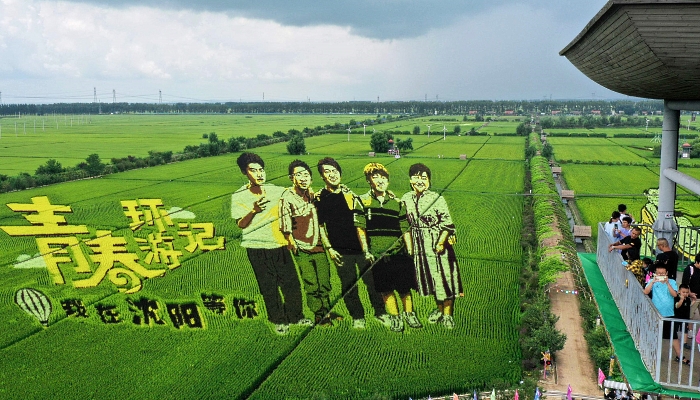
(686, 243)
(645, 324)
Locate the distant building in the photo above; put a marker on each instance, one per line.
(555, 112)
(686, 150)
(595, 112)
(509, 112)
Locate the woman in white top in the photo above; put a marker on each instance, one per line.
(612, 227)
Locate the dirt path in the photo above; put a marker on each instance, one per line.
(573, 366)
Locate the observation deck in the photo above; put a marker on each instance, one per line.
(635, 326)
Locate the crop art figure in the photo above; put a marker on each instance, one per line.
(430, 239)
(255, 208)
(299, 224)
(342, 223)
(393, 269)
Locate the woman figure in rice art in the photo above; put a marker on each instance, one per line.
(430, 240)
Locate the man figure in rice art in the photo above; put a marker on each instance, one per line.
(393, 270)
(299, 224)
(430, 240)
(686, 244)
(341, 220)
(255, 208)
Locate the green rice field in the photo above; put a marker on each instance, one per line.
(199, 329)
(600, 188)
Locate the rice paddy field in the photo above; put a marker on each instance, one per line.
(100, 299)
(600, 188)
(29, 141)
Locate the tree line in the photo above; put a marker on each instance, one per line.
(483, 107)
(53, 172)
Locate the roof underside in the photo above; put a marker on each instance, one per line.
(642, 48)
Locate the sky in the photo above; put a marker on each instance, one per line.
(304, 50)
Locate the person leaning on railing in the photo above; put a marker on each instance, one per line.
(629, 245)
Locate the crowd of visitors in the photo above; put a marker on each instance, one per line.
(658, 278)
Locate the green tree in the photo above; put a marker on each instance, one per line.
(472, 131)
(379, 142)
(522, 129)
(405, 145)
(93, 165)
(547, 151)
(457, 129)
(51, 167)
(547, 123)
(416, 130)
(296, 144)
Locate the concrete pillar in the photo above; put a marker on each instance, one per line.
(665, 226)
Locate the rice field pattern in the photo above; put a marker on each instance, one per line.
(198, 328)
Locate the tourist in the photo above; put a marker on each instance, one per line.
(667, 256)
(691, 277)
(629, 246)
(663, 291)
(612, 227)
(622, 209)
(681, 311)
(626, 227)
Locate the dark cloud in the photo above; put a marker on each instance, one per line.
(380, 19)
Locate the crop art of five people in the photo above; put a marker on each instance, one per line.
(393, 245)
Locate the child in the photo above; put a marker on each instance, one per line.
(681, 311)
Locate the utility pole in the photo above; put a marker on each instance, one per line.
(94, 95)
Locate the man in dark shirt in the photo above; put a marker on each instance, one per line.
(629, 245)
(343, 234)
(668, 256)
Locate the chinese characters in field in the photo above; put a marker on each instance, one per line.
(88, 258)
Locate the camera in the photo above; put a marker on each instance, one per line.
(615, 226)
(661, 278)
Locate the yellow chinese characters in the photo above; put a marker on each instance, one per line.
(146, 211)
(92, 259)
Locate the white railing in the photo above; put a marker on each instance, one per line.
(645, 324)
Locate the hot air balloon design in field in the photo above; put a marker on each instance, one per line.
(34, 303)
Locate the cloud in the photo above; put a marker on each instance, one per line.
(212, 51)
(384, 19)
